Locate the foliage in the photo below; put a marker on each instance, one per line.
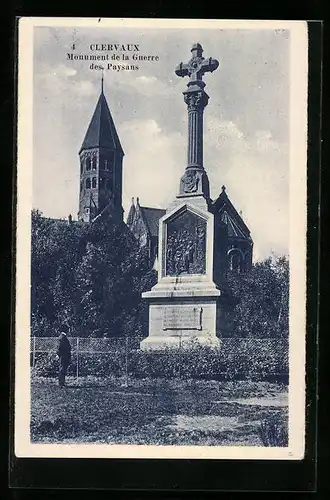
(247, 359)
(232, 361)
(273, 430)
(100, 364)
(92, 276)
(263, 299)
(88, 275)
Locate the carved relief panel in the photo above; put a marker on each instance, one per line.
(185, 250)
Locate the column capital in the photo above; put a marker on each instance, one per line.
(196, 100)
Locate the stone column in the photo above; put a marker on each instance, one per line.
(196, 102)
(194, 181)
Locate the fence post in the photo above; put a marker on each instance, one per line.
(126, 361)
(180, 356)
(34, 351)
(77, 359)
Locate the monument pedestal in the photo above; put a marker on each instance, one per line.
(184, 317)
(186, 306)
(188, 303)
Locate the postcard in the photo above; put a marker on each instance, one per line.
(161, 238)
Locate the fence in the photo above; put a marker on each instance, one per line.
(80, 345)
(123, 355)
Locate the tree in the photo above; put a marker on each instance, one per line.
(56, 249)
(92, 277)
(263, 299)
(89, 275)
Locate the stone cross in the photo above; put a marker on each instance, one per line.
(194, 181)
(197, 66)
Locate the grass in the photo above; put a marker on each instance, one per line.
(158, 411)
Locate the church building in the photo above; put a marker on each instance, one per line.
(240, 244)
(144, 223)
(101, 165)
(101, 170)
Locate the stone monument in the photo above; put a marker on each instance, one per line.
(189, 300)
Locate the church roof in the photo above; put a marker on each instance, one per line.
(151, 217)
(131, 214)
(56, 220)
(234, 231)
(229, 215)
(101, 132)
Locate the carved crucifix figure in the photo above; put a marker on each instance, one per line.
(196, 99)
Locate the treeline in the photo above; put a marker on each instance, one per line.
(91, 276)
(262, 295)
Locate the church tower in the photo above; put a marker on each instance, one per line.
(101, 165)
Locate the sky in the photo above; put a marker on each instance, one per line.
(246, 122)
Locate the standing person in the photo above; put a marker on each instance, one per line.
(64, 354)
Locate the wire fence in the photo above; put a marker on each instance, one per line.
(121, 350)
(81, 346)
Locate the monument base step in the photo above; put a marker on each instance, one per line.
(162, 342)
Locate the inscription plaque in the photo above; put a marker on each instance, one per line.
(182, 318)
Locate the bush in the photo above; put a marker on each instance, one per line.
(232, 361)
(273, 430)
(46, 365)
(99, 364)
(236, 359)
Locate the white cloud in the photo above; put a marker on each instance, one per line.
(265, 142)
(226, 130)
(144, 85)
(84, 88)
(147, 79)
(254, 170)
(64, 71)
(60, 81)
(152, 167)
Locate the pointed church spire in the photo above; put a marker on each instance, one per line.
(131, 214)
(101, 164)
(101, 132)
(102, 81)
(137, 205)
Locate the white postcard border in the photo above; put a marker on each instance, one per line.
(298, 226)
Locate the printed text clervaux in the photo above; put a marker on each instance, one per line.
(125, 47)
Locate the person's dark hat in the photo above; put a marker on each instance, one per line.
(64, 329)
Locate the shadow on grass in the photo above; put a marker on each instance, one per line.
(110, 411)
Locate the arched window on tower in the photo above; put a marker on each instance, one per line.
(235, 260)
(94, 182)
(88, 163)
(81, 167)
(94, 163)
(106, 165)
(88, 183)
